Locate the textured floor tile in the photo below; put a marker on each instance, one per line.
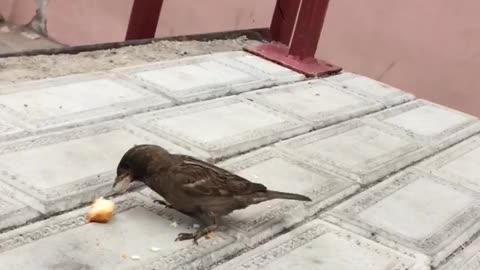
(459, 164)
(9, 130)
(198, 78)
(222, 127)
(69, 242)
(61, 170)
(319, 245)
(413, 210)
(314, 101)
(75, 100)
(356, 150)
(246, 61)
(12, 211)
(278, 171)
(467, 259)
(370, 88)
(429, 123)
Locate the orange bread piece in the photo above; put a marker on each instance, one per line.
(101, 211)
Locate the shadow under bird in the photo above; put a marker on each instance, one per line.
(191, 186)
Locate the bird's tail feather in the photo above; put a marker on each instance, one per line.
(288, 196)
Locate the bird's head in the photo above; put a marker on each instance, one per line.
(123, 179)
(134, 165)
(131, 168)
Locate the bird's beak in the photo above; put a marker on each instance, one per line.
(121, 184)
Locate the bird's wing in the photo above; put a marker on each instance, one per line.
(199, 178)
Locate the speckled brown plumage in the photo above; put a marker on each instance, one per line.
(191, 186)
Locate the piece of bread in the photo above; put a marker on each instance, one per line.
(101, 211)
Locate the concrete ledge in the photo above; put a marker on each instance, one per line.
(65, 169)
(383, 93)
(319, 245)
(458, 164)
(413, 210)
(314, 101)
(209, 76)
(466, 259)
(12, 211)
(222, 127)
(138, 225)
(357, 150)
(428, 123)
(51, 104)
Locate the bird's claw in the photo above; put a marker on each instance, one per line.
(195, 236)
(160, 202)
(188, 236)
(163, 203)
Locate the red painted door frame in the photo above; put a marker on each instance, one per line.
(283, 21)
(144, 19)
(309, 26)
(295, 29)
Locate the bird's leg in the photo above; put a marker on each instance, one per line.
(200, 232)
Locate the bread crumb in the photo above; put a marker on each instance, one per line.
(210, 235)
(101, 211)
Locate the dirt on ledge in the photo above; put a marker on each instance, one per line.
(17, 69)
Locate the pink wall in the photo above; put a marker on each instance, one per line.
(92, 21)
(75, 22)
(88, 21)
(429, 47)
(184, 17)
(6, 8)
(18, 11)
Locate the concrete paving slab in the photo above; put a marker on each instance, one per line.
(356, 150)
(62, 170)
(281, 172)
(467, 259)
(70, 242)
(221, 127)
(314, 101)
(75, 100)
(200, 77)
(413, 210)
(10, 131)
(383, 93)
(12, 211)
(319, 245)
(245, 61)
(459, 164)
(429, 123)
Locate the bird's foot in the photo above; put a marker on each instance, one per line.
(195, 236)
(185, 236)
(163, 203)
